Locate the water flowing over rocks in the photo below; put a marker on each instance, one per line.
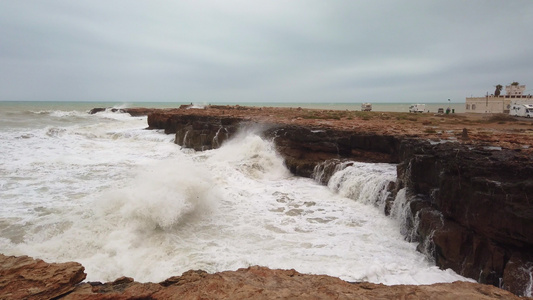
(468, 186)
(27, 278)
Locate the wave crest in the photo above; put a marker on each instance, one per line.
(162, 196)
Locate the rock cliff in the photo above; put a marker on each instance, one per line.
(26, 278)
(303, 147)
(470, 202)
(473, 207)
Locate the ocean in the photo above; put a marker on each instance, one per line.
(125, 201)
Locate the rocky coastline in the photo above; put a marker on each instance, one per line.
(468, 184)
(27, 278)
(468, 181)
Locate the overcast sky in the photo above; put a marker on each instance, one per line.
(263, 51)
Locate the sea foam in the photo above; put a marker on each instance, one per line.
(125, 201)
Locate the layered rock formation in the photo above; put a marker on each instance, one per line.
(26, 278)
(470, 203)
(302, 147)
(474, 207)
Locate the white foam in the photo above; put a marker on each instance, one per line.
(252, 156)
(161, 196)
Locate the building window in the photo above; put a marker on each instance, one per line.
(473, 107)
(468, 106)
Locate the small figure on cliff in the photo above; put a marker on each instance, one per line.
(464, 135)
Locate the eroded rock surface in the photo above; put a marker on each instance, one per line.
(474, 207)
(26, 278)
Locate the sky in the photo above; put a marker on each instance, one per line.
(213, 51)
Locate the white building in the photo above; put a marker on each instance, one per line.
(515, 89)
(499, 104)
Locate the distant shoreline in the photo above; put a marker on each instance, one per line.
(81, 105)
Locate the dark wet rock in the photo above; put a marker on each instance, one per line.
(303, 148)
(134, 111)
(473, 208)
(96, 110)
(518, 272)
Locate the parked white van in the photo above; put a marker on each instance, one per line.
(521, 110)
(417, 108)
(366, 107)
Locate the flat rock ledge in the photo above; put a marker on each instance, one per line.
(27, 278)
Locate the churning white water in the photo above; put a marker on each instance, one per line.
(125, 201)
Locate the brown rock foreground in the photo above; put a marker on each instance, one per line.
(27, 278)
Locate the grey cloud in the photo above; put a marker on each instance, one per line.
(334, 51)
